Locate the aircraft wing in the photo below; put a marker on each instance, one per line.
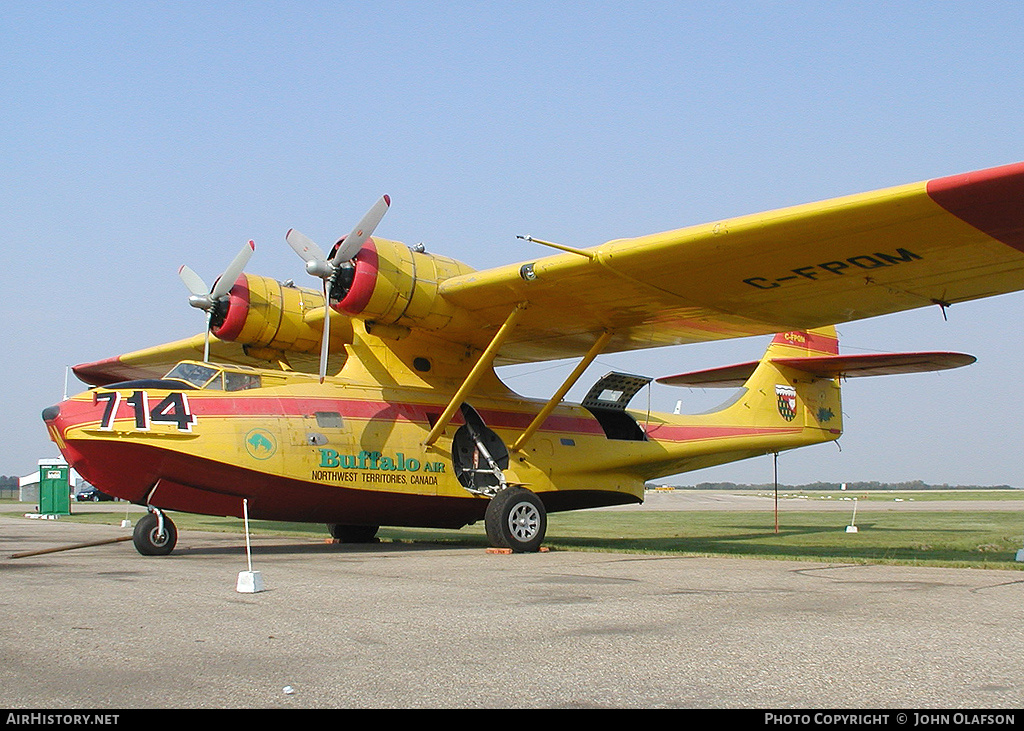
(937, 242)
(156, 361)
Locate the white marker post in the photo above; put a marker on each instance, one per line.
(249, 582)
(852, 528)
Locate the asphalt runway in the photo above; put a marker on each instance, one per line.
(421, 626)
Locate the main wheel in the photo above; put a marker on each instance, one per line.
(353, 533)
(148, 539)
(515, 518)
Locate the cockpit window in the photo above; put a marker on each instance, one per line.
(194, 373)
(214, 379)
(217, 384)
(240, 381)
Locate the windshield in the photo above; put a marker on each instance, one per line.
(214, 379)
(194, 373)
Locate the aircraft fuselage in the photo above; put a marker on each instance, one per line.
(355, 454)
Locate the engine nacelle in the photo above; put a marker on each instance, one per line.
(264, 313)
(393, 285)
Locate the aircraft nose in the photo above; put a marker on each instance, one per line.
(56, 424)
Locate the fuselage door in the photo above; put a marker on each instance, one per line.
(607, 401)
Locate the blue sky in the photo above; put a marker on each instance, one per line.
(140, 136)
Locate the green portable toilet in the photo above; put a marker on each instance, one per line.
(54, 489)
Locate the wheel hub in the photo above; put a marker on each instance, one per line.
(524, 521)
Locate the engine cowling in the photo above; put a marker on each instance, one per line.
(264, 313)
(391, 284)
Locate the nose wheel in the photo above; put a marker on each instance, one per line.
(155, 534)
(516, 519)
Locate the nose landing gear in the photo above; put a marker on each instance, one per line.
(155, 534)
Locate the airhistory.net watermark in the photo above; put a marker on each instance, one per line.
(61, 719)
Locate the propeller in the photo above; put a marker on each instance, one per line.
(317, 262)
(319, 265)
(207, 298)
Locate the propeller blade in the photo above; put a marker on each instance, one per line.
(313, 255)
(304, 246)
(326, 338)
(230, 276)
(206, 343)
(193, 281)
(352, 243)
(318, 265)
(206, 299)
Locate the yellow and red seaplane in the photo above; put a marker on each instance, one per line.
(373, 400)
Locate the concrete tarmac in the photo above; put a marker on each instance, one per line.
(422, 626)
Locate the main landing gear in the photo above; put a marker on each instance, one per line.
(155, 534)
(516, 519)
(353, 533)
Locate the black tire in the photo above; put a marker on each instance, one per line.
(354, 533)
(516, 519)
(148, 540)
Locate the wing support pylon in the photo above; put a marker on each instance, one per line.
(570, 381)
(473, 377)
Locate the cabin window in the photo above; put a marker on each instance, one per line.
(329, 420)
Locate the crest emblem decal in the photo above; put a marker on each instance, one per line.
(786, 397)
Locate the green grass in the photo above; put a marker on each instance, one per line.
(883, 496)
(980, 539)
(983, 539)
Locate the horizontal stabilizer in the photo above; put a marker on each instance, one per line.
(828, 366)
(732, 376)
(883, 364)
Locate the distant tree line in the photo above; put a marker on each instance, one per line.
(912, 485)
(8, 487)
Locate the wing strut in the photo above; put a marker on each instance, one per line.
(556, 399)
(486, 358)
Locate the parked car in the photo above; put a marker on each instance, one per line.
(90, 494)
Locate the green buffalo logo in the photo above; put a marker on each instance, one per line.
(260, 444)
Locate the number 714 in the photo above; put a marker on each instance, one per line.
(172, 409)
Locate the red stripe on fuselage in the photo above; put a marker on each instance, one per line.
(77, 413)
(681, 433)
